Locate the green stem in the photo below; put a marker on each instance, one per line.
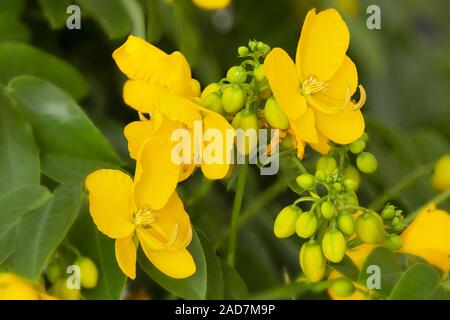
(403, 183)
(299, 165)
(282, 292)
(235, 213)
(443, 196)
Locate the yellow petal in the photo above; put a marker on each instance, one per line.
(177, 264)
(300, 146)
(186, 171)
(13, 287)
(137, 133)
(152, 238)
(322, 46)
(211, 4)
(305, 127)
(441, 176)
(142, 96)
(180, 109)
(111, 202)
(156, 174)
(428, 237)
(136, 58)
(126, 256)
(217, 169)
(343, 127)
(322, 145)
(283, 79)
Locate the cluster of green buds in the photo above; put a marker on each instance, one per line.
(393, 219)
(334, 221)
(56, 275)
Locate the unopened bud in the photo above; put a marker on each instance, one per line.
(236, 74)
(346, 224)
(393, 242)
(328, 210)
(370, 228)
(274, 115)
(88, 272)
(342, 287)
(388, 212)
(334, 245)
(284, 225)
(312, 261)
(306, 224)
(233, 98)
(326, 164)
(306, 181)
(366, 162)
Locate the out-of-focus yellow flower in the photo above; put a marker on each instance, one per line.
(13, 287)
(161, 85)
(427, 237)
(441, 175)
(315, 92)
(120, 208)
(350, 7)
(212, 4)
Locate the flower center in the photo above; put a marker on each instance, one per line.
(144, 217)
(312, 85)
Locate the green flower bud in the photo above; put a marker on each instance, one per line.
(88, 272)
(243, 51)
(357, 146)
(352, 174)
(321, 175)
(233, 98)
(252, 45)
(306, 224)
(274, 115)
(236, 74)
(328, 210)
(388, 212)
(342, 287)
(259, 73)
(284, 225)
(306, 181)
(346, 224)
(213, 87)
(350, 185)
(366, 162)
(312, 261)
(259, 46)
(326, 164)
(213, 102)
(53, 272)
(396, 224)
(246, 120)
(334, 245)
(393, 242)
(61, 291)
(370, 228)
(337, 186)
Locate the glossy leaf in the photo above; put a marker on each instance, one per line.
(18, 59)
(100, 249)
(346, 267)
(55, 11)
(19, 156)
(420, 282)
(193, 287)
(41, 231)
(60, 125)
(214, 271)
(13, 205)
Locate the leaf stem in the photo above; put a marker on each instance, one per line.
(242, 176)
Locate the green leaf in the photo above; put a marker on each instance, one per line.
(60, 125)
(390, 269)
(136, 14)
(111, 15)
(100, 249)
(13, 205)
(41, 231)
(347, 268)
(155, 23)
(293, 185)
(18, 59)
(407, 260)
(55, 11)
(214, 272)
(63, 168)
(234, 286)
(12, 7)
(19, 156)
(420, 282)
(12, 28)
(191, 288)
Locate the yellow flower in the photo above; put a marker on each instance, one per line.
(315, 92)
(13, 287)
(120, 209)
(441, 175)
(212, 4)
(161, 85)
(427, 237)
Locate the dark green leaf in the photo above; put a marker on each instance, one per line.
(12, 28)
(18, 59)
(59, 124)
(406, 260)
(19, 156)
(234, 286)
(100, 249)
(12, 7)
(55, 11)
(155, 23)
(390, 269)
(13, 205)
(347, 268)
(193, 287)
(111, 15)
(420, 282)
(41, 231)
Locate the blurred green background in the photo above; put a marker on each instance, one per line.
(404, 67)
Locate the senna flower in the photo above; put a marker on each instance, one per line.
(441, 176)
(161, 85)
(120, 208)
(13, 287)
(212, 4)
(426, 237)
(315, 92)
